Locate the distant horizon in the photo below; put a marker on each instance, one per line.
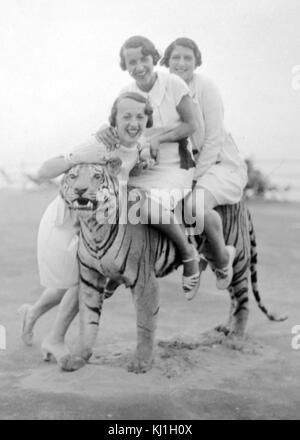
(256, 158)
(252, 155)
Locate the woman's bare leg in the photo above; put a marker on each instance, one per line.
(49, 299)
(213, 229)
(54, 343)
(212, 226)
(223, 256)
(175, 232)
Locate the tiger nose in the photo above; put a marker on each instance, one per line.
(80, 191)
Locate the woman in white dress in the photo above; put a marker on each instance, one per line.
(58, 232)
(220, 171)
(173, 122)
(57, 242)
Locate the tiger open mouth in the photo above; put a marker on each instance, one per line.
(84, 204)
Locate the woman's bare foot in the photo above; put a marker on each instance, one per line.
(28, 322)
(191, 263)
(55, 349)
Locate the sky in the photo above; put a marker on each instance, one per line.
(59, 68)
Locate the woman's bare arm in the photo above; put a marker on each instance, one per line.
(86, 153)
(183, 129)
(54, 167)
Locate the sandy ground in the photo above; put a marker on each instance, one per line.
(194, 376)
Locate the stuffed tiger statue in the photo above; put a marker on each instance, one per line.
(136, 255)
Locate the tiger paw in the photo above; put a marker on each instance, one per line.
(139, 366)
(71, 363)
(83, 353)
(223, 328)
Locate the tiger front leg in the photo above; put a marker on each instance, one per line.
(91, 298)
(146, 300)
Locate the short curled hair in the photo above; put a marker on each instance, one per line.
(184, 42)
(136, 41)
(135, 97)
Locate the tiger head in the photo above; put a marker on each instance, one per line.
(92, 188)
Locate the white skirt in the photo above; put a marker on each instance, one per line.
(57, 247)
(224, 182)
(166, 183)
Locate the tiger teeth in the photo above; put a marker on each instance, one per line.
(75, 204)
(90, 205)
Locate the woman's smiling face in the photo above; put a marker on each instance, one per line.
(131, 121)
(140, 67)
(182, 62)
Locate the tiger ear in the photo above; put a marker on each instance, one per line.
(113, 166)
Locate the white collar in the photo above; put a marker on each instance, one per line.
(128, 150)
(157, 93)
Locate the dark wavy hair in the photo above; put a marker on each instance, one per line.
(184, 42)
(147, 46)
(135, 97)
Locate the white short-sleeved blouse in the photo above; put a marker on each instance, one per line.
(165, 95)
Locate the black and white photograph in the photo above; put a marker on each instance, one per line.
(150, 212)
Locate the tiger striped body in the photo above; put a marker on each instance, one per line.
(136, 255)
(112, 251)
